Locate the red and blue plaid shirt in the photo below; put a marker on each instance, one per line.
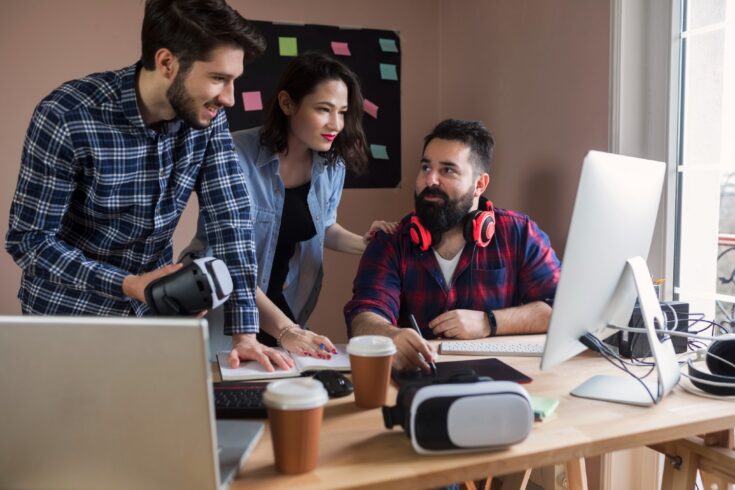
(396, 279)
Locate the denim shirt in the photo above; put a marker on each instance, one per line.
(266, 189)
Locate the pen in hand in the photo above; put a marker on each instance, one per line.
(415, 326)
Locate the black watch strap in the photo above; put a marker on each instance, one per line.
(493, 323)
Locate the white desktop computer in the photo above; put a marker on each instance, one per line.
(604, 272)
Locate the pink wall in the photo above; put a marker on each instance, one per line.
(536, 72)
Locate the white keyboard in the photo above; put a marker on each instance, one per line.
(474, 348)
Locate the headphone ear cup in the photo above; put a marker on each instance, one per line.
(420, 236)
(700, 379)
(479, 228)
(468, 228)
(485, 228)
(726, 350)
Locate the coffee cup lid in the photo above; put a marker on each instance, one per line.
(371, 346)
(295, 394)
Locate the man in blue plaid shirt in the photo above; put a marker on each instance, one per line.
(110, 162)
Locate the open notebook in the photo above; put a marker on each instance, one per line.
(252, 370)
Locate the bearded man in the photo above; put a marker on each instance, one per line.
(109, 164)
(462, 267)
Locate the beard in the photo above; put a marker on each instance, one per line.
(183, 103)
(439, 217)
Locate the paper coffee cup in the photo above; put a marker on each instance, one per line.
(370, 361)
(295, 411)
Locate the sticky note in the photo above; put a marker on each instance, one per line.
(379, 152)
(370, 108)
(252, 101)
(342, 49)
(388, 72)
(388, 45)
(287, 46)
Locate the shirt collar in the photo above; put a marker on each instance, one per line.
(129, 102)
(266, 156)
(129, 97)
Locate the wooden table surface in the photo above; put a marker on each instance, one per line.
(357, 451)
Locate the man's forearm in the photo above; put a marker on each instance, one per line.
(526, 319)
(369, 323)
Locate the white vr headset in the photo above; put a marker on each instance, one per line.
(203, 284)
(452, 415)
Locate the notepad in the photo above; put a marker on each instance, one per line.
(252, 370)
(543, 407)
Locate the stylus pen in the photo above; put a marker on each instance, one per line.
(418, 331)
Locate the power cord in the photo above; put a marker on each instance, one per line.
(596, 345)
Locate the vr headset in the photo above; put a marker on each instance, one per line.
(201, 285)
(462, 413)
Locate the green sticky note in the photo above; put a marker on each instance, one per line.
(388, 71)
(287, 46)
(388, 45)
(543, 407)
(379, 152)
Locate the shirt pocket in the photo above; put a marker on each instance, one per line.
(492, 288)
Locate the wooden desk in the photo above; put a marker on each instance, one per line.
(356, 451)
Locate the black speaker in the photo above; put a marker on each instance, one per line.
(630, 344)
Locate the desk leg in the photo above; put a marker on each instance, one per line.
(684, 457)
(576, 474)
(680, 467)
(723, 439)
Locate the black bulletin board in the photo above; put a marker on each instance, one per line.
(374, 55)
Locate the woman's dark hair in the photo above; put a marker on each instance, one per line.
(301, 77)
(191, 29)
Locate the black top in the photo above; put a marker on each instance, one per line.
(297, 225)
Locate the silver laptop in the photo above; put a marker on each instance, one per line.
(112, 403)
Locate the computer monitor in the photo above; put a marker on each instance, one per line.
(604, 271)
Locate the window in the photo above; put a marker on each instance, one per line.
(704, 253)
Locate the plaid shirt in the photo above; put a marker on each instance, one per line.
(99, 195)
(396, 279)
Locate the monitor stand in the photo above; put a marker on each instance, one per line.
(627, 390)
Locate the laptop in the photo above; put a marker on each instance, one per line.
(99, 402)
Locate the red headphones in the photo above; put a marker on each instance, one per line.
(478, 227)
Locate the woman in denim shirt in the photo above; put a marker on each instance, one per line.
(295, 170)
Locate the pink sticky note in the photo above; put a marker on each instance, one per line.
(341, 49)
(252, 101)
(370, 108)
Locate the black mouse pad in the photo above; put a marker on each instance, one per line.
(491, 367)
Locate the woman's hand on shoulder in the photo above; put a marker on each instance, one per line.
(389, 227)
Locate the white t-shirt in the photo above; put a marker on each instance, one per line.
(447, 266)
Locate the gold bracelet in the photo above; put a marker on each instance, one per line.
(283, 332)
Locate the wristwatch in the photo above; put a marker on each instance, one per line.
(493, 323)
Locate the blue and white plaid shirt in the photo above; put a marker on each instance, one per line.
(99, 195)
